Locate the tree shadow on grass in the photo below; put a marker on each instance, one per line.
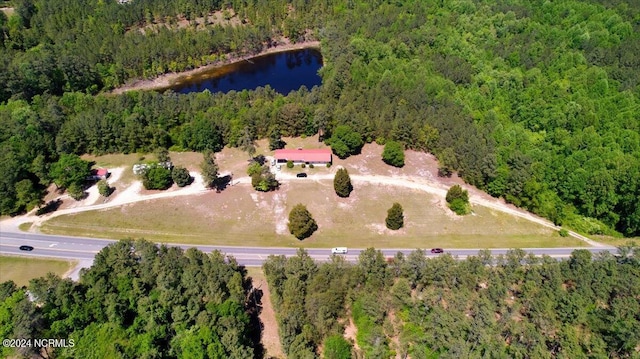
(51, 206)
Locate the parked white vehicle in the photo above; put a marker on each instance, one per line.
(339, 250)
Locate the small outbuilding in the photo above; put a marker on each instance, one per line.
(99, 174)
(306, 156)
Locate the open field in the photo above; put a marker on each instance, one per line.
(22, 269)
(242, 216)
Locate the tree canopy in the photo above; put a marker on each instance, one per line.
(138, 300)
(536, 103)
(342, 183)
(301, 223)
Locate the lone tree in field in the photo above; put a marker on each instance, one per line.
(395, 217)
(181, 176)
(209, 169)
(342, 183)
(458, 200)
(393, 154)
(104, 189)
(301, 223)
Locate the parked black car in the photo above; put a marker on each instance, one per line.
(301, 175)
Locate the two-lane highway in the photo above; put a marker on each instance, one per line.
(83, 249)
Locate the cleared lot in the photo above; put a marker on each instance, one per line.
(22, 269)
(242, 216)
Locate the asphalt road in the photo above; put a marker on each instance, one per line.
(84, 249)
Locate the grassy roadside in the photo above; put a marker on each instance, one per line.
(243, 217)
(22, 269)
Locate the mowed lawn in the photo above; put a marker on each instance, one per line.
(22, 269)
(244, 217)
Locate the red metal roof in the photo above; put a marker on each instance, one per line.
(102, 172)
(300, 155)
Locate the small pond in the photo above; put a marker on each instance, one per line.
(283, 71)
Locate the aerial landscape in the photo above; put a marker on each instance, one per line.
(319, 179)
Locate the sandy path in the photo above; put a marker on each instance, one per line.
(166, 80)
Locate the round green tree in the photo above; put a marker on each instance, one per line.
(181, 176)
(393, 154)
(395, 217)
(157, 177)
(342, 183)
(301, 223)
(458, 200)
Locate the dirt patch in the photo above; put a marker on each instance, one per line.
(350, 332)
(270, 336)
(223, 18)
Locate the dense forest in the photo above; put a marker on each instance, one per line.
(138, 300)
(511, 306)
(534, 101)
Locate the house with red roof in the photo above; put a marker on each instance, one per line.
(306, 156)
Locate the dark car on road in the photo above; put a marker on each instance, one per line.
(301, 175)
(437, 250)
(26, 248)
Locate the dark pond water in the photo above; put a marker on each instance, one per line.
(284, 72)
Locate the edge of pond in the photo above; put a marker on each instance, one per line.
(167, 80)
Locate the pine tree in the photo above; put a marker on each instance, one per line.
(209, 169)
(395, 217)
(301, 223)
(342, 183)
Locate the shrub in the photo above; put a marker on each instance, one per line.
(458, 200)
(336, 347)
(329, 165)
(157, 177)
(104, 189)
(76, 192)
(393, 154)
(181, 176)
(342, 183)
(311, 165)
(563, 233)
(289, 164)
(395, 217)
(301, 223)
(303, 165)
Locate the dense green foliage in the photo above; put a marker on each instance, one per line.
(511, 306)
(395, 217)
(69, 170)
(55, 46)
(157, 177)
(139, 300)
(309, 299)
(336, 347)
(262, 179)
(393, 154)
(301, 223)
(181, 176)
(345, 142)
(458, 200)
(342, 183)
(534, 101)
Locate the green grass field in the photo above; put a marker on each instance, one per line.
(244, 217)
(22, 269)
